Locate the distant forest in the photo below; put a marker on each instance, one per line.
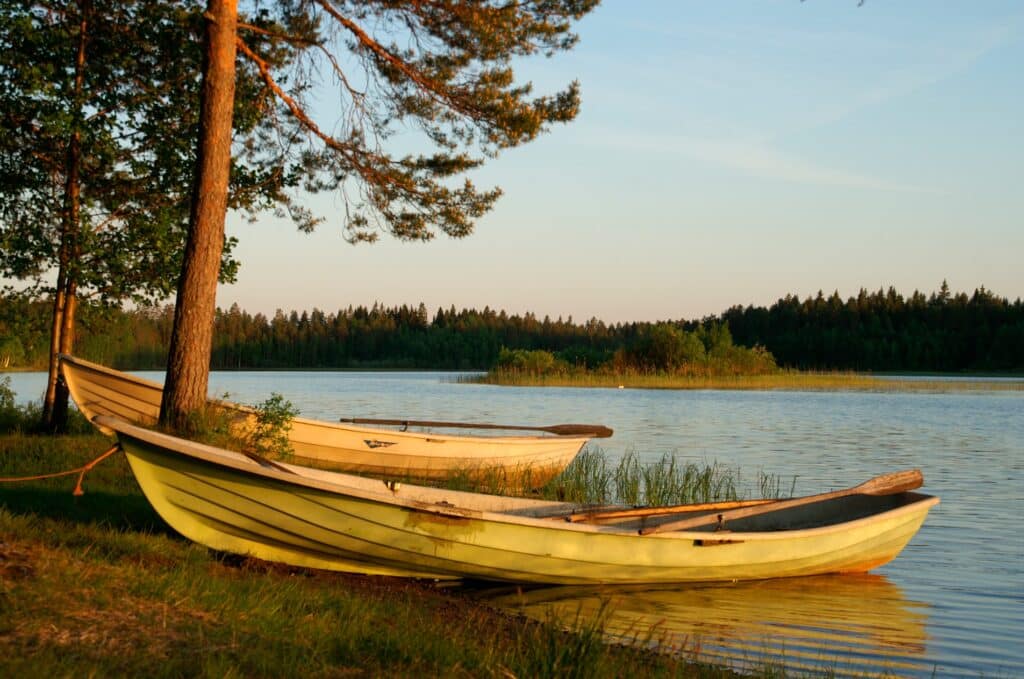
(880, 331)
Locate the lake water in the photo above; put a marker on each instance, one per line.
(952, 604)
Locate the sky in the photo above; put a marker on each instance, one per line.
(724, 154)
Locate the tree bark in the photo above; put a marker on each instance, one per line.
(188, 361)
(55, 400)
(56, 325)
(67, 345)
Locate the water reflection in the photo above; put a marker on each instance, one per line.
(850, 624)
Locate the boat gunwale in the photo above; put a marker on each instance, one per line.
(442, 437)
(219, 457)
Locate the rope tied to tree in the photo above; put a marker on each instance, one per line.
(81, 471)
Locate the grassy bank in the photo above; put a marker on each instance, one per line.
(98, 585)
(788, 380)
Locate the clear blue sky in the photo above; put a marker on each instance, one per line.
(725, 153)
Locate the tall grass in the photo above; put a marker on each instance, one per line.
(587, 480)
(593, 479)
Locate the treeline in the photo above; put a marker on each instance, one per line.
(872, 331)
(658, 349)
(883, 330)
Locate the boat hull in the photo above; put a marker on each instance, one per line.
(521, 461)
(340, 522)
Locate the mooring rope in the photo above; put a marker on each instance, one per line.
(81, 471)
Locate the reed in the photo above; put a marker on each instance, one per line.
(593, 479)
(629, 479)
(787, 380)
(587, 480)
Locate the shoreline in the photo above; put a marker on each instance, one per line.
(788, 381)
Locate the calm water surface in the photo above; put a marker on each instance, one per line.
(952, 604)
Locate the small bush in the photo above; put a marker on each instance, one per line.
(538, 362)
(10, 415)
(273, 422)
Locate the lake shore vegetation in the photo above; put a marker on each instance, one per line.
(783, 380)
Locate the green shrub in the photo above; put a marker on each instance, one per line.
(536, 362)
(273, 422)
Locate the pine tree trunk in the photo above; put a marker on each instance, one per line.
(55, 400)
(188, 361)
(56, 324)
(67, 345)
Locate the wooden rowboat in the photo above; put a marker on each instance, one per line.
(532, 460)
(315, 518)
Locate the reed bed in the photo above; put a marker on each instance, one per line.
(594, 479)
(789, 380)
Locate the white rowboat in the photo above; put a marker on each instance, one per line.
(98, 390)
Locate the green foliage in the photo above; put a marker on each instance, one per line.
(980, 332)
(264, 432)
(535, 362)
(9, 415)
(12, 353)
(452, 79)
(886, 331)
(118, 88)
(663, 347)
(26, 418)
(274, 418)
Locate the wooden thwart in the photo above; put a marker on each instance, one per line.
(590, 430)
(886, 484)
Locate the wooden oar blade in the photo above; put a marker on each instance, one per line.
(588, 430)
(890, 484)
(596, 431)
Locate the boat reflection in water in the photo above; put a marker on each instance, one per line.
(846, 624)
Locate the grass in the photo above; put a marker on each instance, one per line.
(592, 478)
(98, 585)
(786, 380)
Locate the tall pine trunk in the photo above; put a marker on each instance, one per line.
(65, 302)
(188, 361)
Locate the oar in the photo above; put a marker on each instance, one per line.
(638, 512)
(589, 430)
(264, 462)
(886, 484)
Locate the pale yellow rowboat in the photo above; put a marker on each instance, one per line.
(98, 390)
(321, 519)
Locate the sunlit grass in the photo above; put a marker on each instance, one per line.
(592, 478)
